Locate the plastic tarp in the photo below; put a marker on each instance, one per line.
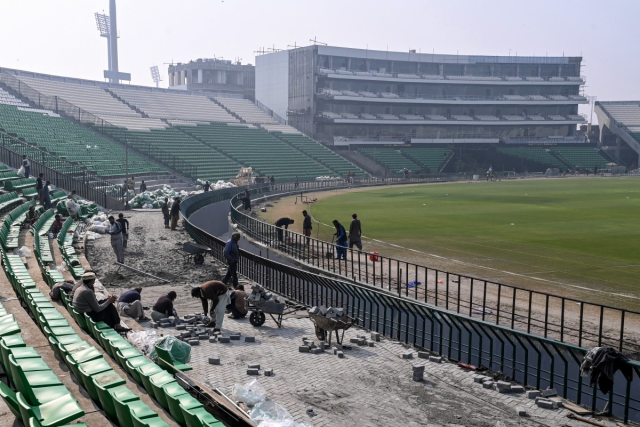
(180, 351)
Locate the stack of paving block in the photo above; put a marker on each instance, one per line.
(546, 399)
(329, 313)
(362, 340)
(258, 293)
(418, 372)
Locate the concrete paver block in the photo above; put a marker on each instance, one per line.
(224, 339)
(181, 327)
(418, 378)
(304, 349)
(435, 359)
(418, 368)
(546, 404)
(249, 339)
(203, 337)
(194, 342)
(517, 389)
(253, 371)
(375, 336)
(254, 366)
(340, 355)
(354, 340)
(212, 340)
(532, 394)
(214, 360)
(407, 355)
(234, 337)
(487, 384)
(549, 393)
(268, 372)
(370, 343)
(521, 411)
(423, 355)
(315, 351)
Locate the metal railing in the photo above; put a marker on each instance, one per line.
(86, 184)
(560, 318)
(272, 113)
(461, 98)
(533, 360)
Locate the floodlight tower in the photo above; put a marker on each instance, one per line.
(103, 24)
(155, 75)
(108, 27)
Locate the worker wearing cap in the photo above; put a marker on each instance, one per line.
(218, 293)
(85, 301)
(355, 232)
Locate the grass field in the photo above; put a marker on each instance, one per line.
(579, 236)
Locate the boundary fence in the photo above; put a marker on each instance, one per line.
(531, 359)
(560, 318)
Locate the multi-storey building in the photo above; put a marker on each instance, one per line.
(217, 76)
(365, 96)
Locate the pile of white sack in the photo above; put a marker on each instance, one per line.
(328, 178)
(96, 225)
(216, 186)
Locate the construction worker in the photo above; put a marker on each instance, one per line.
(283, 222)
(218, 293)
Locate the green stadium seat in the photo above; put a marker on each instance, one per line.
(54, 413)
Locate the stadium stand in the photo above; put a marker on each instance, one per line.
(534, 154)
(320, 153)
(581, 157)
(211, 165)
(390, 158)
(63, 139)
(430, 158)
(246, 110)
(179, 106)
(280, 128)
(262, 151)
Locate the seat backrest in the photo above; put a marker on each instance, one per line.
(9, 396)
(164, 354)
(20, 381)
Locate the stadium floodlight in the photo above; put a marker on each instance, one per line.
(155, 74)
(103, 24)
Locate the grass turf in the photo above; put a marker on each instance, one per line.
(575, 232)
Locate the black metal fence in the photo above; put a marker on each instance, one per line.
(560, 318)
(528, 358)
(86, 184)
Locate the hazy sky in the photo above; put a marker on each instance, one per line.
(60, 36)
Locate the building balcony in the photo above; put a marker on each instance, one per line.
(404, 98)
(437, 79)
(455, 120)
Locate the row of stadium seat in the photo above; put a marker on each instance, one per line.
(320, 153)
(181, 106)
(211, 165)
(410, 158)
(458, 117)
(262, 151)
(156, 379)
(534, 154)
(246, 110)
(68, 141)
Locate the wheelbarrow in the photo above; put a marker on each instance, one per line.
(193, 252)
(325, 326)
(276, 310)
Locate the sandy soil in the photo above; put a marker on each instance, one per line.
(152, 249)
(443, 290)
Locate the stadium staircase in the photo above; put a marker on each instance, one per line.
(235, 115)
(133, 107)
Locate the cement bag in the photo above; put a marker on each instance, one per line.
(180, 351)
(250, 393)
(21, 172)
(24, 252)
(101, 229)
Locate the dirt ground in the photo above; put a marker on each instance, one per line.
(444, 290)
(151, 249)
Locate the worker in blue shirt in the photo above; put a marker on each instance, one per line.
(232, 255)
(341, 240)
